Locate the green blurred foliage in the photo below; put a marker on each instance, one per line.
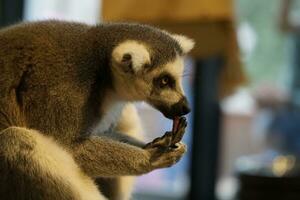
(266, 62)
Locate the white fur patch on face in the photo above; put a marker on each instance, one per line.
(176, 68)
(185, 43)
(138, 52)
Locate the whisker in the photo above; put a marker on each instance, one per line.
(186, 74)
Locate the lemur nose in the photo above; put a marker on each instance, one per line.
(182, 107)
(185, 109)
(185, 106)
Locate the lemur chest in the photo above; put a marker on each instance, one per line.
(109, 118)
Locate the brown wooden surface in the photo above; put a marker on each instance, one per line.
(167, 10)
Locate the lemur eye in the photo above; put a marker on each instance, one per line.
(165, 80)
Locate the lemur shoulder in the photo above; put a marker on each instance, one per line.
(59, 82)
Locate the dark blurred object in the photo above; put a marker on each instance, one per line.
(11, 11)
(255, 187)
(269, 176)
(284, 131)
(206, 127)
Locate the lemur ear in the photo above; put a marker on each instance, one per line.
(131, 55)
(187, 44)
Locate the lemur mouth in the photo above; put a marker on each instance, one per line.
(174, 111)
(168, 112)
(171, 113)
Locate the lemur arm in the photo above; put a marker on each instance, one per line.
(129, 130)
(125, 138)
(106, 157)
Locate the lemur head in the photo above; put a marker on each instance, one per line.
(147, 65)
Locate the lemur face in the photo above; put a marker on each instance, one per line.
(142, 74)
(166, 93)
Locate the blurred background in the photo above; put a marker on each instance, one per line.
(243, 83)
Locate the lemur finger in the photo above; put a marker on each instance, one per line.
(165, 141)
(177, 136)
(175, 124)
(169, 157)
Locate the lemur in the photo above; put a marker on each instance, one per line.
(63, 86)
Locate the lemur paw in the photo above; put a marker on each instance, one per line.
(167, 150)
(170, 139)
(168, 157)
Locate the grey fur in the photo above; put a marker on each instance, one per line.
(53, 78)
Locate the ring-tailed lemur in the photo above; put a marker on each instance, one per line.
(63, 84)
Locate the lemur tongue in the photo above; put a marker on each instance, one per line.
(175, 124)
